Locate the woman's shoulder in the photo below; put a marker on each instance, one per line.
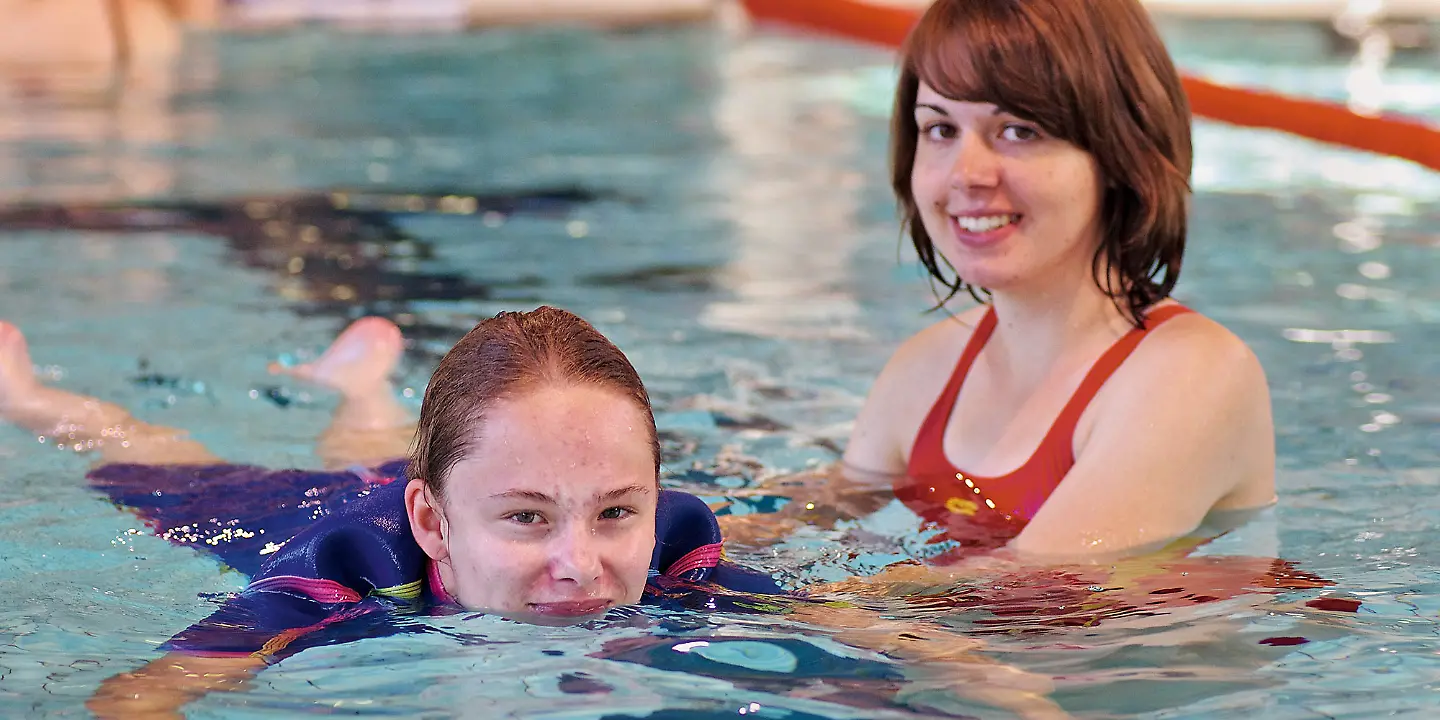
(1191, 360)
(923, 364)
(1195, 341)
(938, 345)
(898, 401)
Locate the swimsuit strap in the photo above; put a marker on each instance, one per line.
(1100, 372)
(1054, 455)
(929, 446)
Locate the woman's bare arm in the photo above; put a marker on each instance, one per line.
(818, 498)
(1185, 430)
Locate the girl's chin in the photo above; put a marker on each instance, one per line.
(553, 614)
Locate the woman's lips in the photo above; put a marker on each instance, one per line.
(572, 608)
(986, 234)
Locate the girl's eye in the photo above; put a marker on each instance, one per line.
(525, 517)
(616, 513)
(1019, 133)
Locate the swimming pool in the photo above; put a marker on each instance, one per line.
(719, 208)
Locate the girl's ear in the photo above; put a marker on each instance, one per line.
(427, 520)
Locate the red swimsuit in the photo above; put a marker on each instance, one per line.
(982, 513)
(989, 511)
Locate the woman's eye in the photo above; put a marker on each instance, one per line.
(616, 513)
(1019, 133)
(938, 131)
(525, 517)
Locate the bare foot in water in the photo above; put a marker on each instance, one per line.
(369, 425)
(17, 374)
(361, 359)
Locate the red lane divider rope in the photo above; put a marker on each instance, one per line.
(1326, 122)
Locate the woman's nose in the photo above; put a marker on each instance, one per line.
(976, 164)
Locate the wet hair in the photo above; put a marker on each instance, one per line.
(1093, 73)
(505, 357)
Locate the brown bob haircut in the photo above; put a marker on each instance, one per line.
(505, 357)
(1093, 73)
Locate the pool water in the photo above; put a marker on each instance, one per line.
(718, 205)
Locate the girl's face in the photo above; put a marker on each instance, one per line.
(550, 517)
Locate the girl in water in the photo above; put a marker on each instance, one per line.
(531, 492)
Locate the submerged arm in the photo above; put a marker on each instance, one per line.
(163, 686)
(818, 498)
(863, 481)
(936, 660)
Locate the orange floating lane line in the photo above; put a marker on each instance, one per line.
(1322, 121)
(1326, 122)
(859, 21)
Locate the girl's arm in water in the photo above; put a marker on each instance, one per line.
(165, 685)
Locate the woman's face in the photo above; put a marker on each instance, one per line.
(550, 517)
(1007, 205)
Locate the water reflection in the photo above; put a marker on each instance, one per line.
(792, 193)
(339, 254)
(86, 93)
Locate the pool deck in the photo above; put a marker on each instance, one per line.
(489, 12)
(1255, 9)
(481, 13)
(475, 13)
(626, 12)
(1290, 9)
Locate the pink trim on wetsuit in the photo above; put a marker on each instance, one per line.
(705, 556)
(437, 586)
(317, 589)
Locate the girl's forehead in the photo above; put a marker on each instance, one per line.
(559, 484)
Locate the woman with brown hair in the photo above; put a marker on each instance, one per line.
(1041, 155)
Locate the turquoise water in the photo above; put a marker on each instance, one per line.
(736, 237)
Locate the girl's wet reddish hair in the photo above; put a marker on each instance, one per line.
(1094, 73)
(502, 358)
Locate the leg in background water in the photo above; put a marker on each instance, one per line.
(71, 418)
(370, 426)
